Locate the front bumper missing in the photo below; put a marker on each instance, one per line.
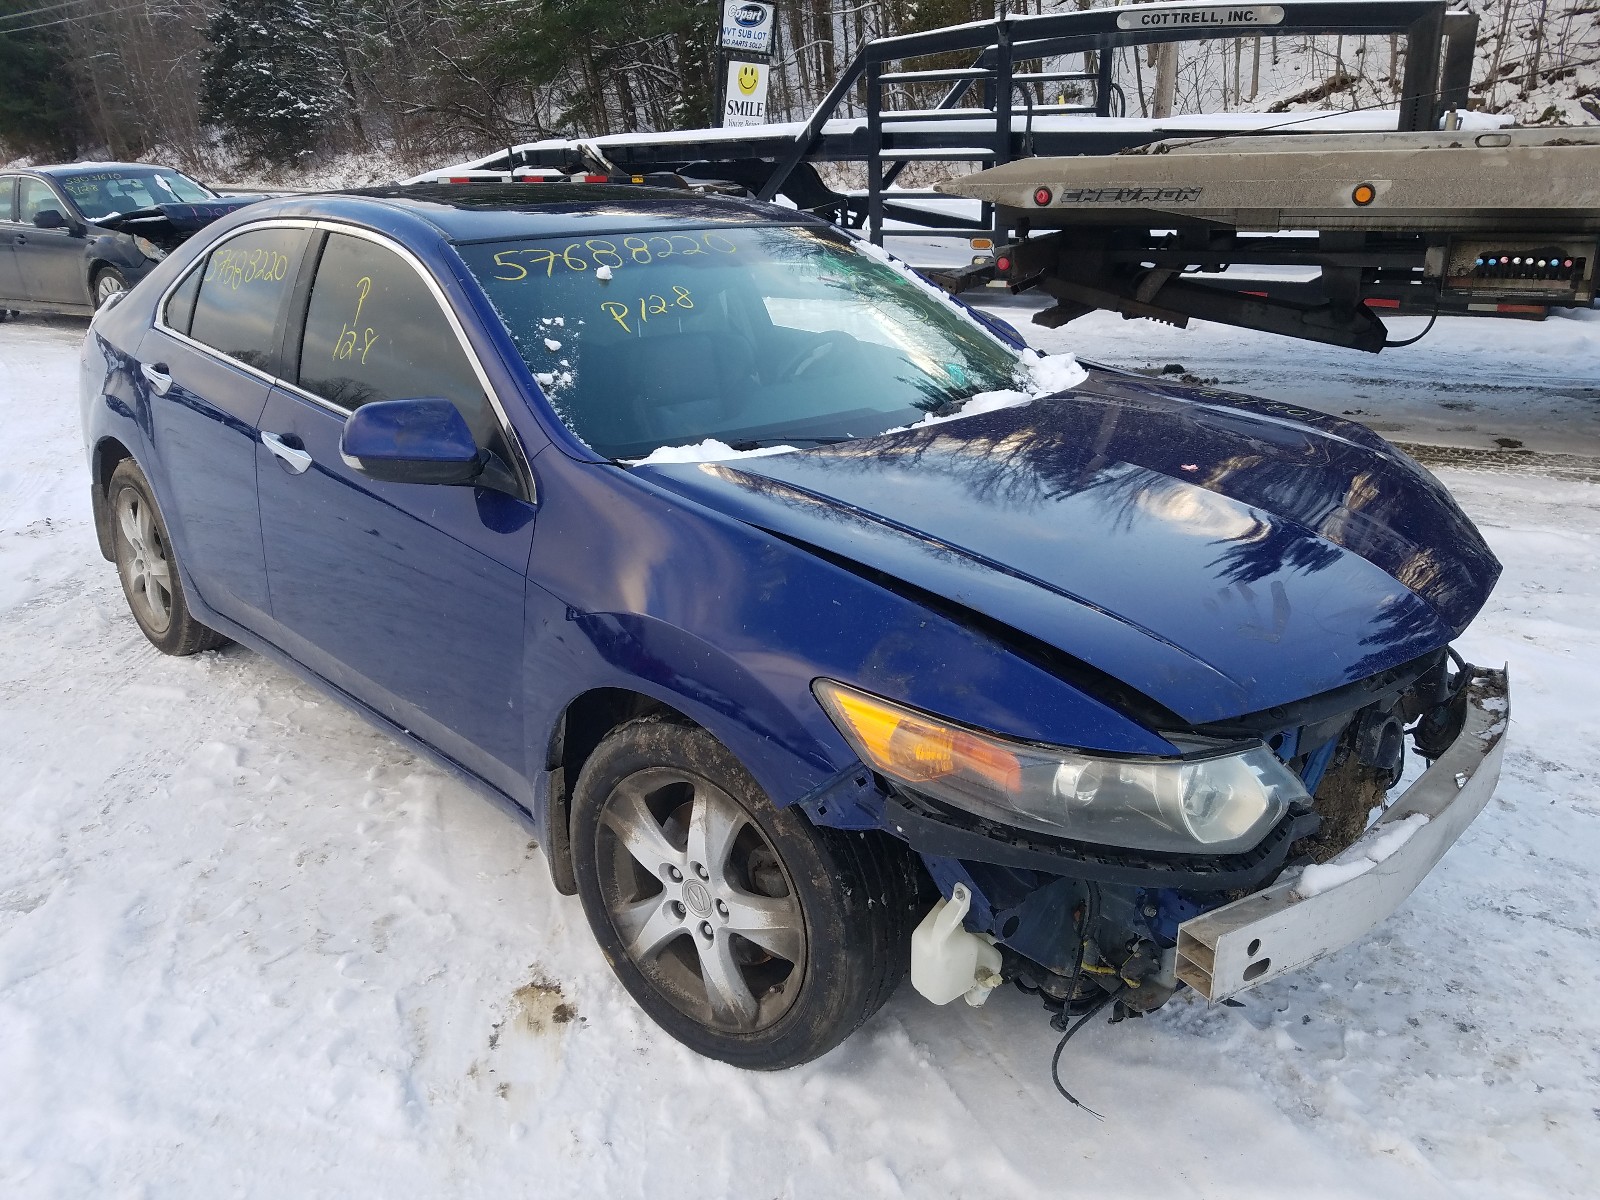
(1235, 947)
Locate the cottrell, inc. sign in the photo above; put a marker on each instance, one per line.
(1183, 18)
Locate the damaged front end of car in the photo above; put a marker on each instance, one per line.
(1276, 839)
(166, 226)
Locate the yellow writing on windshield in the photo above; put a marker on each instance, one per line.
(645, 307)
(515, 266)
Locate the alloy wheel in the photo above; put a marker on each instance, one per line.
(700, 901)
(145, 566)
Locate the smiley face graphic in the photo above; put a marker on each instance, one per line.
(749, 76)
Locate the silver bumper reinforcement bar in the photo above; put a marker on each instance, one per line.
(1235, 947)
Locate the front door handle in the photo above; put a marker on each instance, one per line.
(158, 377)
(296, 460)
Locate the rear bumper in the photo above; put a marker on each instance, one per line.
(1233, 948)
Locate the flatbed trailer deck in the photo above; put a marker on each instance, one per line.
(1499, 221)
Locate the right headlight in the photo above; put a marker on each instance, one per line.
(1211, 802)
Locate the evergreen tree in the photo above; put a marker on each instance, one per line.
(271, 77)
(37, 114)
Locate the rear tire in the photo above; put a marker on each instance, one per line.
(744, 931)
(148, 567)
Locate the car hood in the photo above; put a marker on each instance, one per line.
(168, 224)
(1218, 553)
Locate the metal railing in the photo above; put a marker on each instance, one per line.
(1439, 50)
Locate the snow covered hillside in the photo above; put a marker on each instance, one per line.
(251, 947)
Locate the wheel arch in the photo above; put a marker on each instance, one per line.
(581, 726)
(97, 265)
(109, 452)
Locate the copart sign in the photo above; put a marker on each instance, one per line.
(746, 25)
(1183, 18)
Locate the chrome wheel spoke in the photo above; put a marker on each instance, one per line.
(729, 994)
(128, 522)
(636, 827)
(714, 823)
(771, 922)
(157, 570)
(158, 588)
(648, 926)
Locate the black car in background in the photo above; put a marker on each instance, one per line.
(73, 236)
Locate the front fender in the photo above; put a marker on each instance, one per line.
(639, 588)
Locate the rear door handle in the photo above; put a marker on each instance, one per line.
(296, 460)
(158, 377)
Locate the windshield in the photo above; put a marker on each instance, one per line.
(110, 193)
(752, 336)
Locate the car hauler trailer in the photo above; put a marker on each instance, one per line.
(1501, 222)
(900, 103)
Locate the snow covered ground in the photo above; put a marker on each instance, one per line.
(251, 947)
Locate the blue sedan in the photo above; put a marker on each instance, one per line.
(823, 629)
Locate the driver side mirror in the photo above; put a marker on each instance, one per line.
(412, 441)
(49, 218)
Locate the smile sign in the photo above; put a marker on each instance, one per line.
(746, 25)
(745, 94)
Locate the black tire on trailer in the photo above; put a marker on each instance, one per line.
(148, 567)
(744, 931)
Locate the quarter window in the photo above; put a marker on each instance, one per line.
(375, 332)
(180, 305)
(8, 195)
(243, 285)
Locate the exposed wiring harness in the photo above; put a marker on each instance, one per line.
(1055, 1059)
(1063, 1020)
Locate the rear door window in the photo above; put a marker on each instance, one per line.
(243, 286)
(8, 197)
(374, 331)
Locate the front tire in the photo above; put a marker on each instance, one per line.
(747, 933)
(108, 281)
(148, 567)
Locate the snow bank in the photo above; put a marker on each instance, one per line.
(246, 937)
(1378, 843)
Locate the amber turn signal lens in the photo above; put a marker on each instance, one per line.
(1364, 194)
(914, 748)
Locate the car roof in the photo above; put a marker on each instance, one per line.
(472, 212)
(85, 168)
